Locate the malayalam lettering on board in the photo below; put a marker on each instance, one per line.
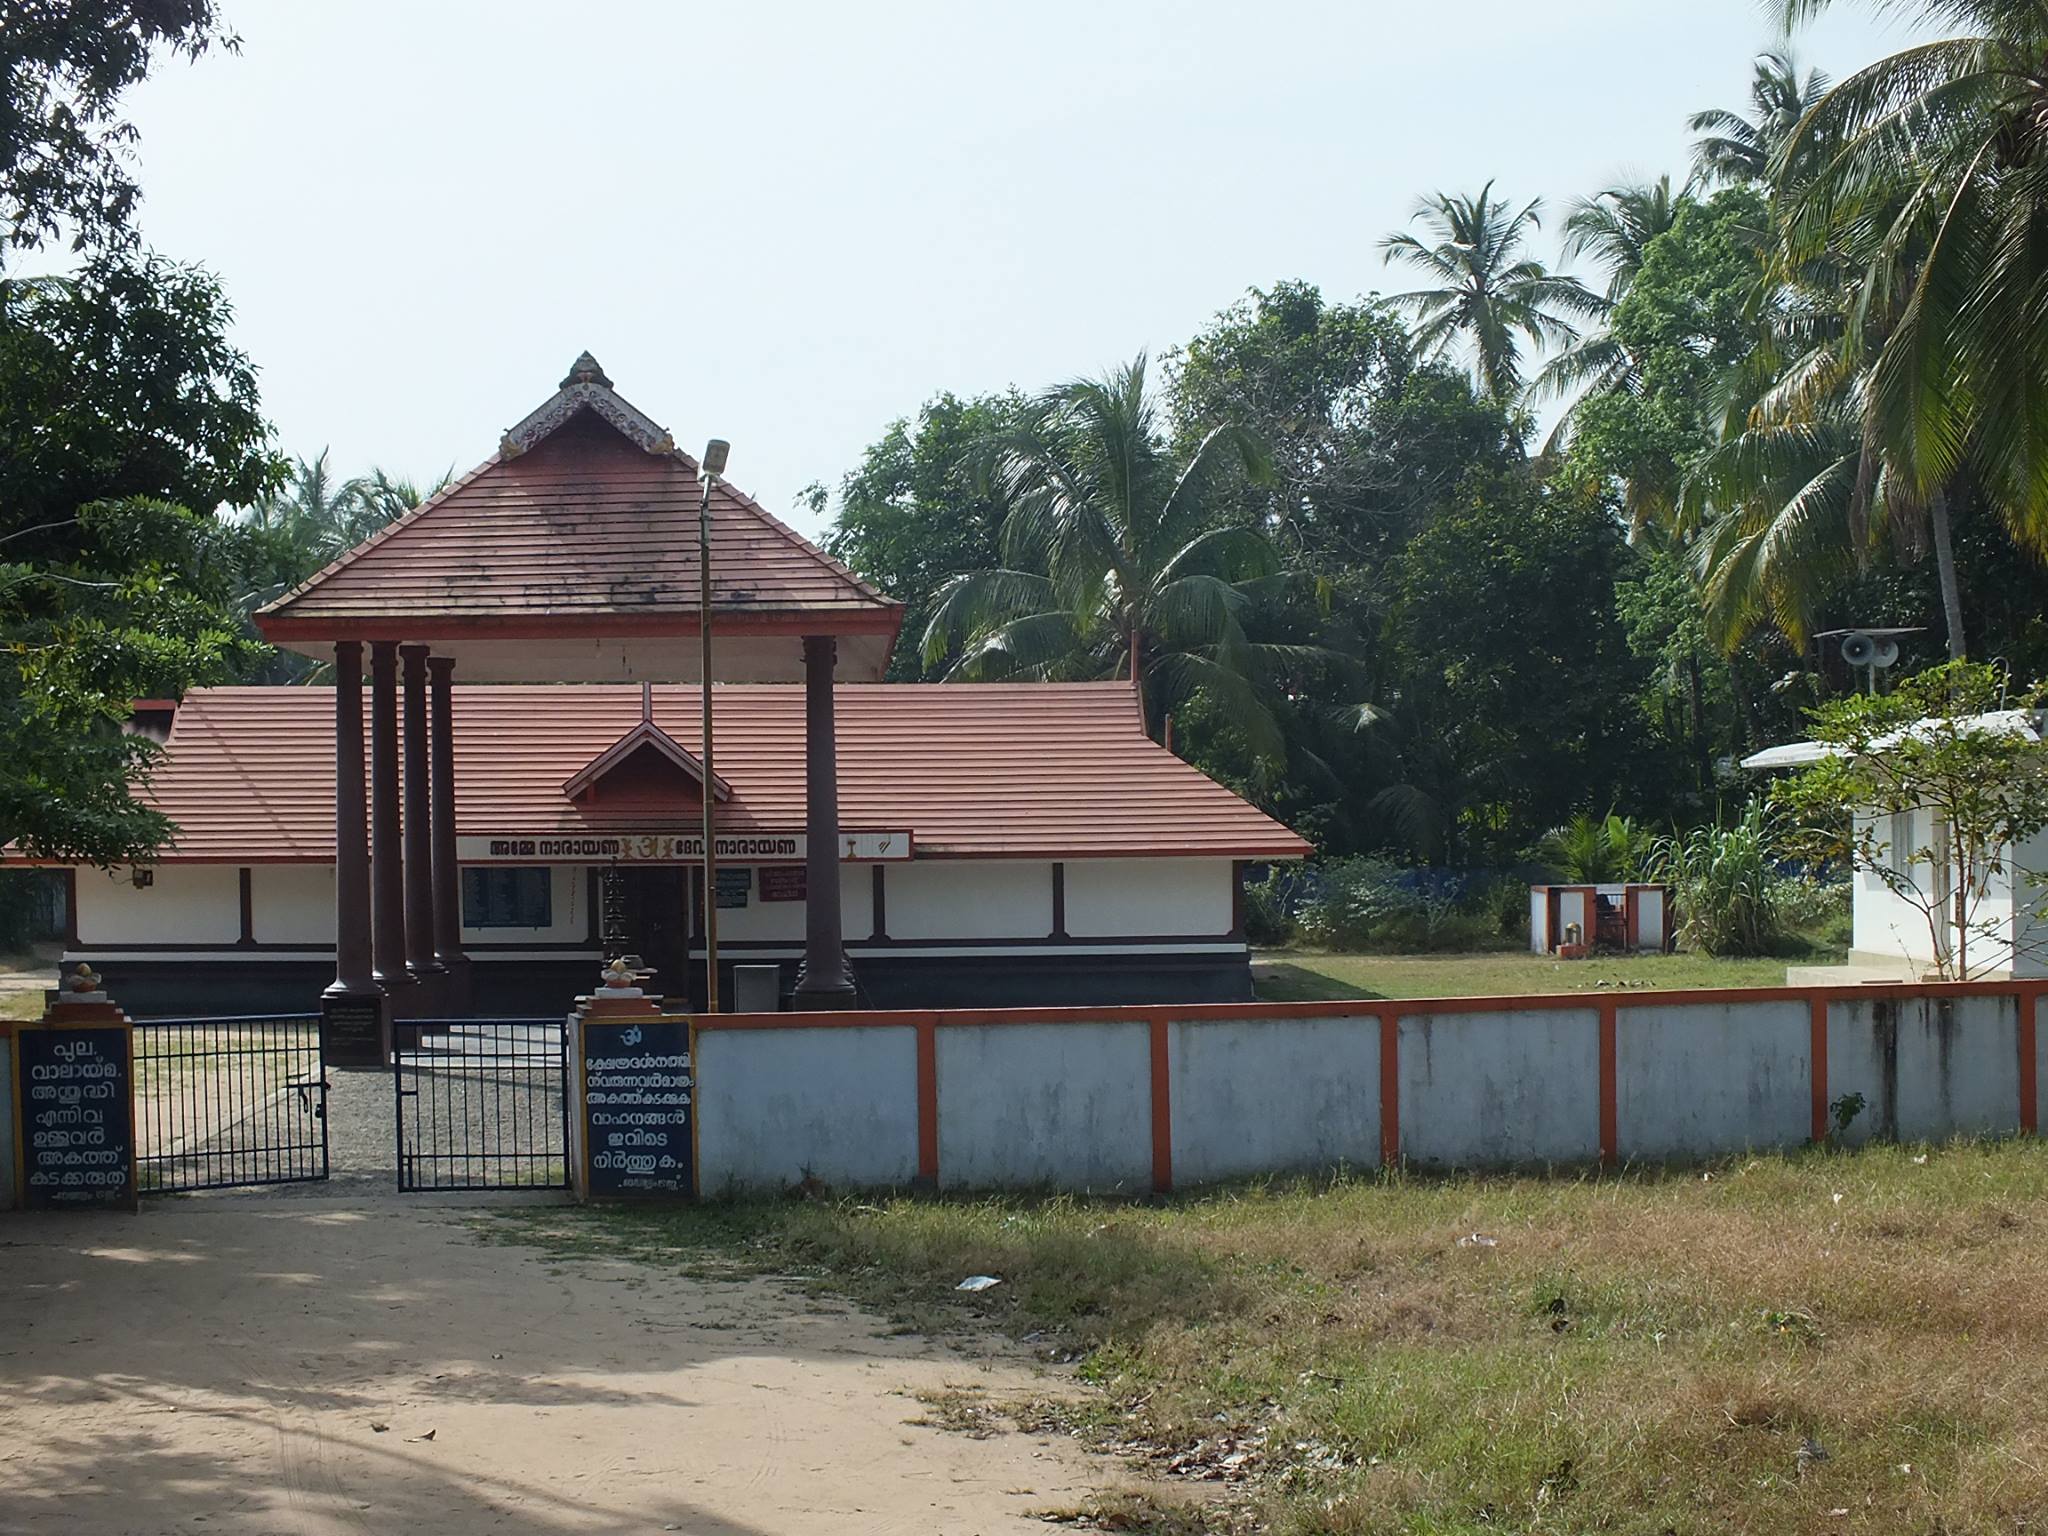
(77, 1111)
(637, 1090)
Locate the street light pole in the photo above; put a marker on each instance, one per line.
(715, 453)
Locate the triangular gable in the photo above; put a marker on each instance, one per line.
(586, 389)
(643, 739)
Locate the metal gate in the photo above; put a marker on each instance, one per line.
(226, 1102)
(482, 1104)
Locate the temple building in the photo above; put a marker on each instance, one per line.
(519, 790)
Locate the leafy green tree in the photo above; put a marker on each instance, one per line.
(1517, 679)
(1617, 229)
(1364, 443)
(122, 405)
(64, 147)
(1485, 291)
(1680, 324)
(1113, 563)
(1950, 753)
(917, 512)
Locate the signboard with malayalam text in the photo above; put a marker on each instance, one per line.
(671, 848)
(638, 1089)
(77, 1108)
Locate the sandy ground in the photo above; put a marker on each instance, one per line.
(356, 1364)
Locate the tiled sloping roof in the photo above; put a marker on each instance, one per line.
(585, 525)
(992, 770)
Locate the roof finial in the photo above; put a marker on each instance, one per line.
(647, 702)
(586, 371)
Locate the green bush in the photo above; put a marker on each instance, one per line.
(1269, 906)
(1372, 904)
(1820, 911)
(1723, 883)
(1589, 850)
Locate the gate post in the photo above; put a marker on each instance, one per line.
(630, 1084)
(72, 1105)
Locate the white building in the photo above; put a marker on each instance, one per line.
(1893, 937)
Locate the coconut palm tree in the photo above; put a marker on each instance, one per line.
(1734, 149)
(1932, 169)
(1113, 563)
(1614, 228)
(1487, 293)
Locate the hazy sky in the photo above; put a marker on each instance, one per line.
(789, 224)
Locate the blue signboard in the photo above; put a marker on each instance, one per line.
(637, 1091)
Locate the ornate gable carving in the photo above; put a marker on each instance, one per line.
(585, 389)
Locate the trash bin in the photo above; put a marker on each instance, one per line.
(756, 989)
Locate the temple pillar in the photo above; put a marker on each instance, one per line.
(355, 1024)
(824, 981)
(418, 837)
(447, 873)
(387, 860)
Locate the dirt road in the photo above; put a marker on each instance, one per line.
(312, 1366)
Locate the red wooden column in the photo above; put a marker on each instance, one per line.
(447, 873)
(823, 982)
(387, 862)
(420, 959)
(355, 1024)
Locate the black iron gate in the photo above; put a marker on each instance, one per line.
(225, 1102)
(482, 1104)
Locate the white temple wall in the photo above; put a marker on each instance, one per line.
(182, 904)
(1120, 898)
(292, 903)
(942, 899)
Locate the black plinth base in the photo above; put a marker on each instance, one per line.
(355, 1029)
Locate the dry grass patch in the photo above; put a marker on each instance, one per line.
(1825, 1342)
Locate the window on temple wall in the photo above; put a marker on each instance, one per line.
(516, 897)
(1900, 854)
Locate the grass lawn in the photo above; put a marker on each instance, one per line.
(1816, 1343)
(23, 976)
(1302, 976)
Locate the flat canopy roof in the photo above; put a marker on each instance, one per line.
(998, 770)
(571, 555)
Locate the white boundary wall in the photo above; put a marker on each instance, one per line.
(1146, 1098)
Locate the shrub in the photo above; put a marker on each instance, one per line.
(1724, 885)
(1819, 910)
(1269, 905)
(1590, 850)
(1367, 903)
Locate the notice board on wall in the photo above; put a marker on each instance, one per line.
(638, 1088)
(75, 1092)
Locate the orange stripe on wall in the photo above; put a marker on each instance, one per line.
(1390, 1089)
(1819, 1049)
(928, 1099)
(1162, 1111)
(1609, 1111)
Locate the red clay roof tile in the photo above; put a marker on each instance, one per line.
(585, 525)
(1049, 770)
